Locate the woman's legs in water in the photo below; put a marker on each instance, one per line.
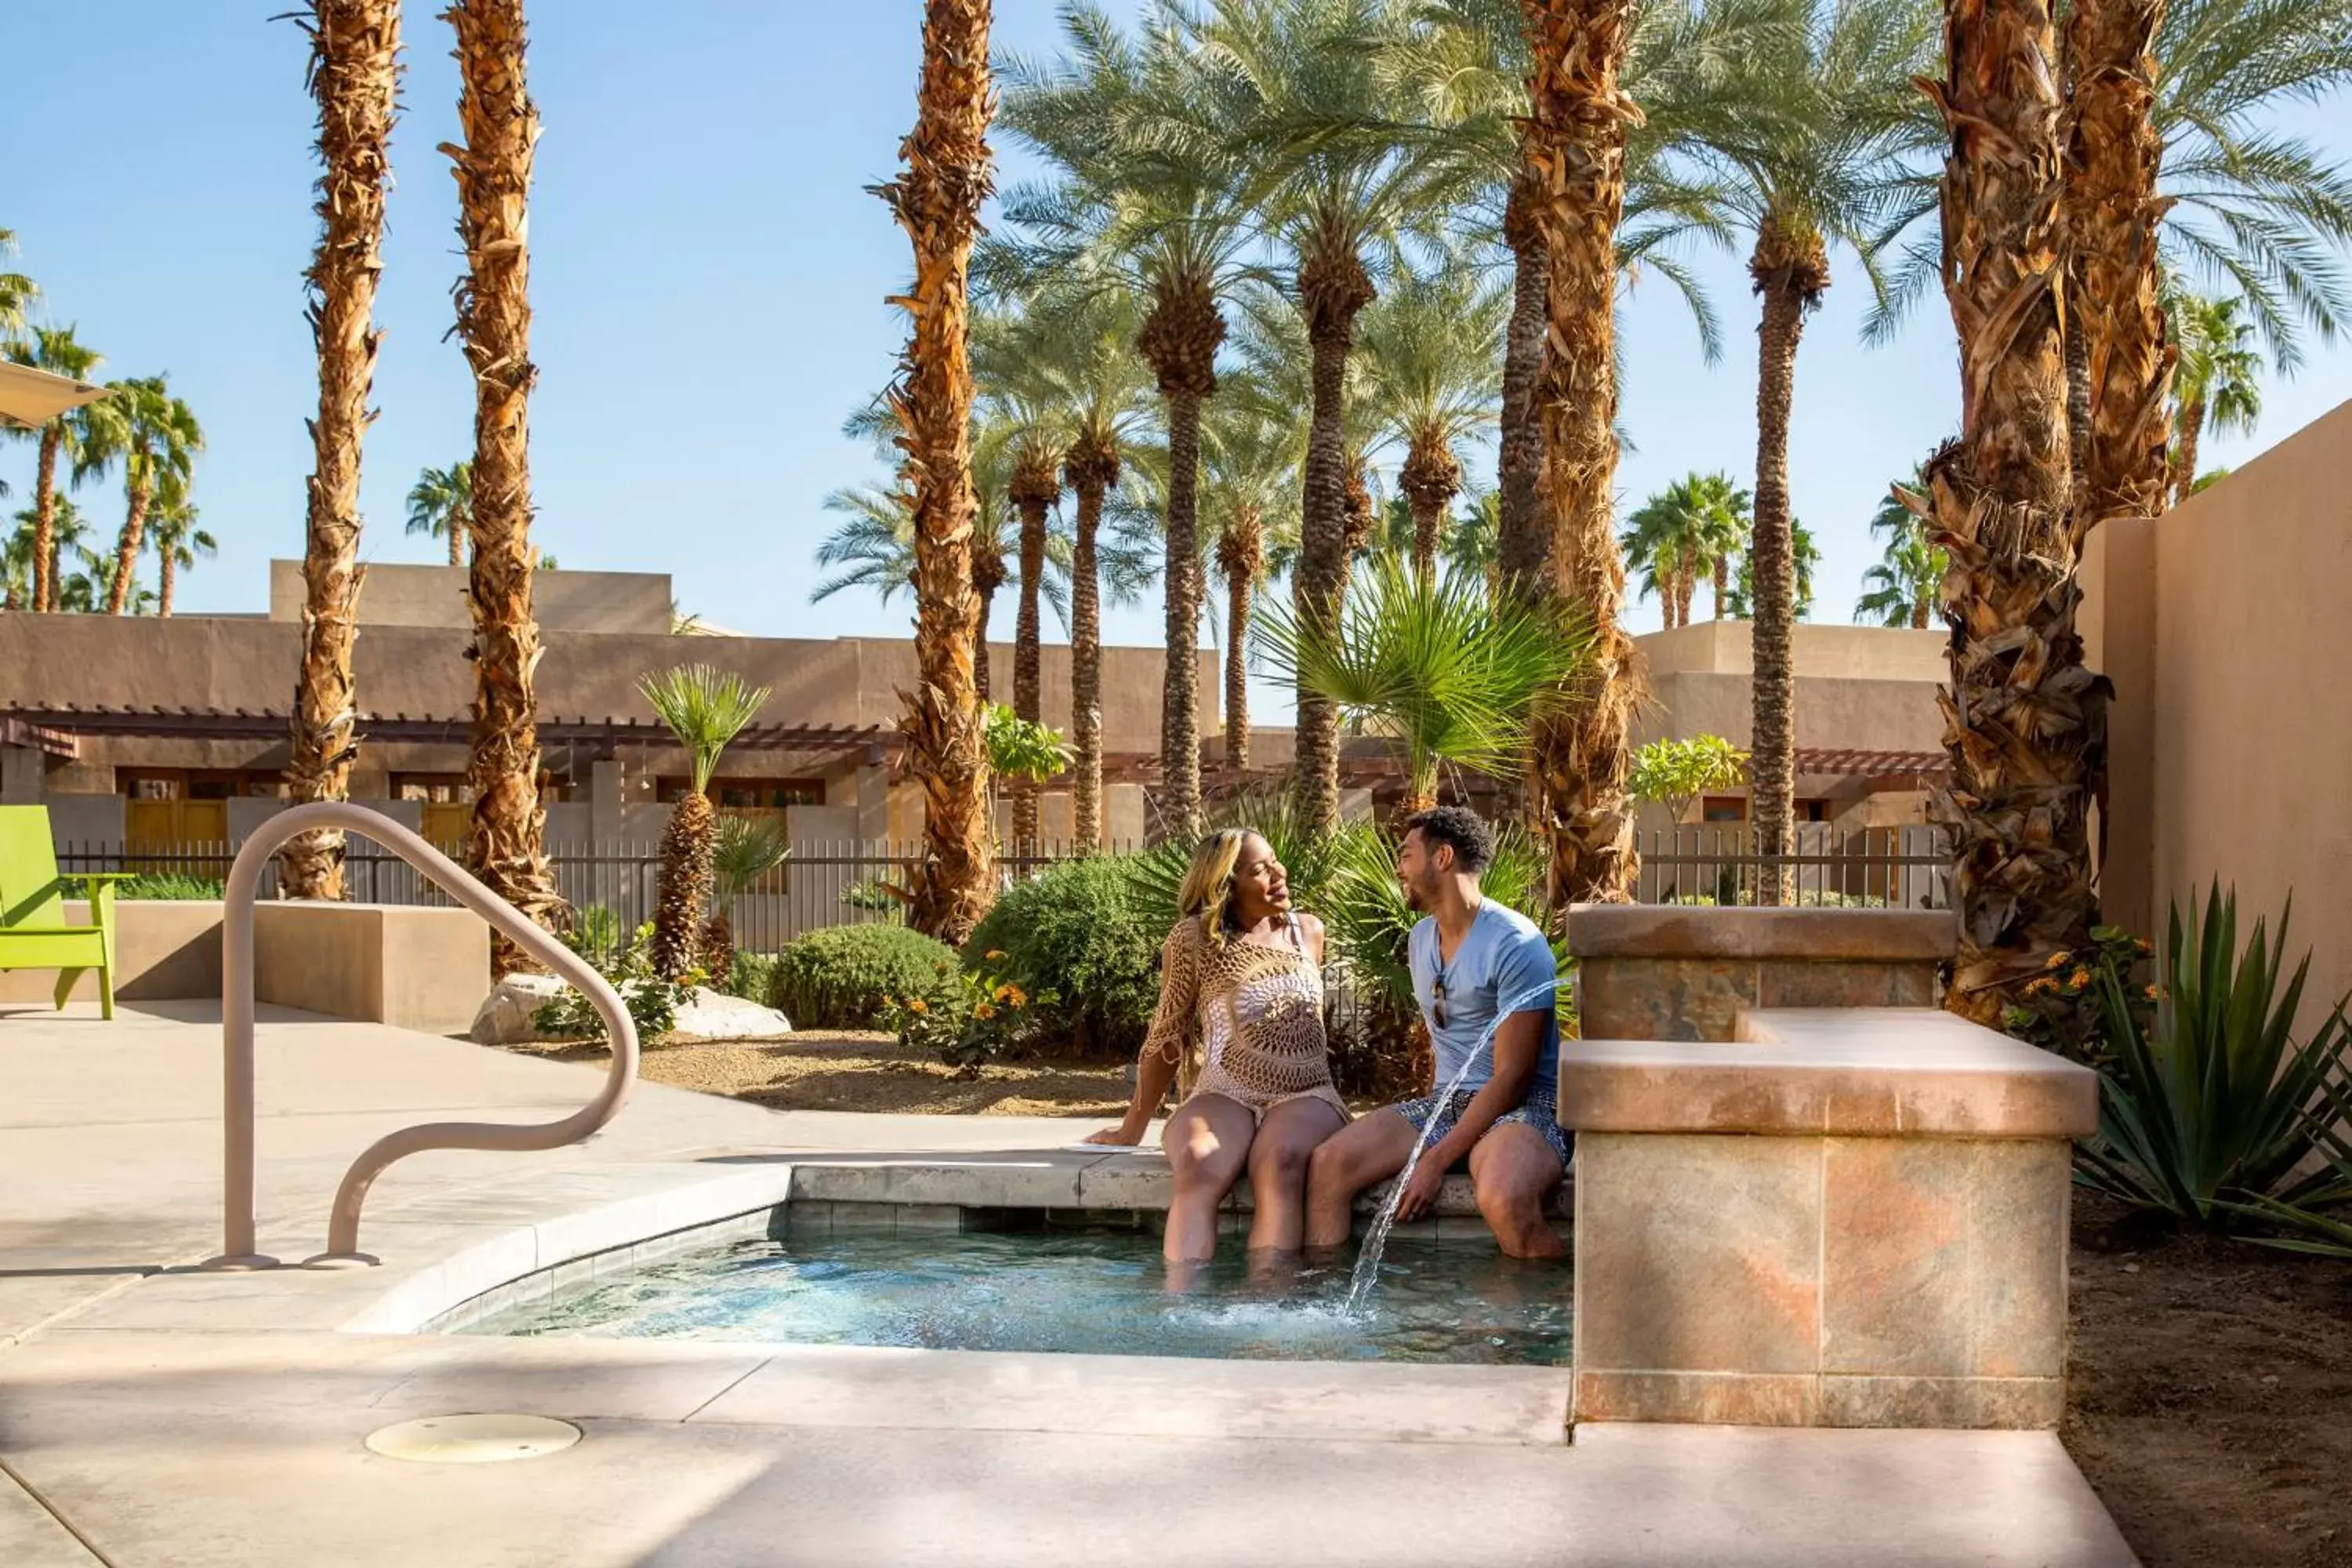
(1208, 1142)
(1277, 1168)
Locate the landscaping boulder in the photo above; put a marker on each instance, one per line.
(504, 1017)
(714, 1015)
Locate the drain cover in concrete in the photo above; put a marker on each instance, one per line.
(474, 1439)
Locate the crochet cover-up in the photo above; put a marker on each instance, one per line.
(1243, 1019)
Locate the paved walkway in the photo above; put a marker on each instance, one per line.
(152, 1416)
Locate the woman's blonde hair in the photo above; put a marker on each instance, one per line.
(1208, 891)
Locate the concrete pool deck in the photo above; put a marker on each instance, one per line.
(151, 1415)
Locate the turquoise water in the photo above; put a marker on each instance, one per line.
(1090, 1292)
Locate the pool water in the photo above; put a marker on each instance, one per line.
(1104, 1292)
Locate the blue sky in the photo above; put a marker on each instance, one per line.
(709, 275)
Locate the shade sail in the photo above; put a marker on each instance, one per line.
(30, 398)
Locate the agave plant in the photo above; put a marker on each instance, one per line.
(2209, 1115)
(705, 708)
(1451, 674)
(746, 849)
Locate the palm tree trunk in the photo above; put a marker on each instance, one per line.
(2111, 211)
(1238, 587)
(1180, 718)
(937, 201)
(45, 517)
(505, 841)
(2020, 714)
(1791, 270)
(168, 577)
(1332, 287)
(1576, 146)
(1921, 607)
(1031, 495)
(2184, 467)
(126, 550)
(1086, 674)
(1722, 584)
(1430, 479)
(456, 542)
(354, 75)
(987, 577)
(1523, 541)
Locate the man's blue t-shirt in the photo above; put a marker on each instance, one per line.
(1504, 963)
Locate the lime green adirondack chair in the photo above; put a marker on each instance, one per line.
(33, 929)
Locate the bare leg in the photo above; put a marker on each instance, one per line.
(1369, 1149)
(1278, 1169)
(1208, 1142)
(1514, 1170)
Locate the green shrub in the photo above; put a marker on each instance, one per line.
(171, 885)
(1088, 930)
(984, 1018)
(652, 1002)
(843, 977)
(2210, 1111)
(751, 977)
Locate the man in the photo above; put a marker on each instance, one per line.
(1478, 968)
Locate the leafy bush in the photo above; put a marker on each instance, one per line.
(595, 933)
(2065, 1010)
(986, 1017)
(652, 1002)
(841, 977)
(171, 885)
(2209, 1110)
(877, 896)
(1088, 930)
(751, 976)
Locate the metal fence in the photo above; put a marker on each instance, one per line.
(1907, 867)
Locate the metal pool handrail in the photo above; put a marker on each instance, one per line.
(236, 1035)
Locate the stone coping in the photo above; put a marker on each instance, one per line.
(1829, 936)
(1860, 1072)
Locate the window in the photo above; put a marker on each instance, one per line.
(748, 794)
(1812, 810)
(1724, 808)
(196, 783)
(439, 789)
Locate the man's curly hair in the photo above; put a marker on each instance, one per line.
(1460, 829)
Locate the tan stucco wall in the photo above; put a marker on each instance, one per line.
(1829, 652)
(2223, 627)
(397, 596)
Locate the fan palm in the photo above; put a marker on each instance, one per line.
(441, 506)
(18, 293)
(72, 436)
(1902, 589)
(1698, 522)
(937, 198)
(157, 438)
(506, 842)
(2218, 382)
(1453, 677)
(68, 532)
(1151, 201)
(1433, 346)
(353, 75)
(706, 708)
(743, 850)
(179, 543)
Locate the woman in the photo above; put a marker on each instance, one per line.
(1241, 1013)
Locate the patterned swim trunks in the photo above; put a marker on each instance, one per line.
(1537, 1110)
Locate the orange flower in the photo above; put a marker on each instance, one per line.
(917, 1005)
(984, 1010)
(2142, 943)
(1000, 992)
(2040, 987)
(2058, 961)
(1019, 997)
(993, 955)
(2078, 980)
(2156, 993)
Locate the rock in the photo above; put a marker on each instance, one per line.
(713, 1016)
(504, 1018)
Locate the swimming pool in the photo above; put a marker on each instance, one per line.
(1094, 1291)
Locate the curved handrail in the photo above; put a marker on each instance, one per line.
(237, 1034)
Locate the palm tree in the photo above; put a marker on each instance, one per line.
(18, 293)
(1833, 120)
(937, 201)
(1698, 522)
(179, 543)
(1575, 144)
(157, 438)
(1434, 349)
(2218, 382)
(1145, 134)
(354, 77)
(506, 840)
(74, 435)
(706, 708)
(743, 850)
(1805, 556)
(1902, 589)
(1453, 677)
(441, 506)
(68, 532)
(2018, 723)
(1250, 459)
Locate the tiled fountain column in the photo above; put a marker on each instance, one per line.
(1834, 1217)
